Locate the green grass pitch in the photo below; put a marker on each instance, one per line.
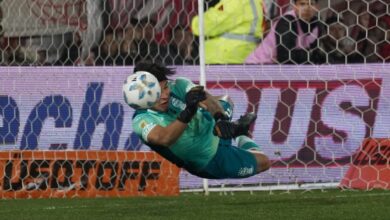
(314, 204)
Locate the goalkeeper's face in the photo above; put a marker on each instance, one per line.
(163, 103)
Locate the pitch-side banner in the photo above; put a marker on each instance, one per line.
(48, 174)
(311, 119)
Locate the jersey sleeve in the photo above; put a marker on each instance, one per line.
(143, 124)
(182, 86)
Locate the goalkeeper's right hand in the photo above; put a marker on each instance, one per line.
(225, 129)
(192, 99)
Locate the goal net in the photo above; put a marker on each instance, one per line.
(322, 104)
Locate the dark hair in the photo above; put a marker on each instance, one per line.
(159, 71)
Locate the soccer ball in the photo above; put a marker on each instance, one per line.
(141, 90)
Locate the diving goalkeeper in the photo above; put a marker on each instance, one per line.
(192, 129)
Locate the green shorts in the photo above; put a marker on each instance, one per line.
(229, 162)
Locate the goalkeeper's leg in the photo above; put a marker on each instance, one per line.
(263, 162)
(246, 143)
(235, 162)
(243, 141)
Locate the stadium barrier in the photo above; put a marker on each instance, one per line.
(60, 174)
(311, 122)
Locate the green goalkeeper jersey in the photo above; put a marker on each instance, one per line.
(197, 145)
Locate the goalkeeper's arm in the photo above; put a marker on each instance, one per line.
(212, 105)
(166, 136)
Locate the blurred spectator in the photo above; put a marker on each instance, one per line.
(335, 47)
(276, 8)
(291, 39)
(379, 40)
(136, 43)
(108, 52)
(72, 52)
(40, 28)
(356, 19)
(183, 50)
(165, 14)
(23, 51)
(2, 39)
(2, 50)
(148, 48)
(384, 50)
(232, 30)
(129, 46)
(14, 53)
(362, 19)
(93, 29)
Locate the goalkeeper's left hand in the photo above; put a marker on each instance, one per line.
(192, 99)
(194, 96)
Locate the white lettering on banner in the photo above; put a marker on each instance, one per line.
(299, 126)
(295, 118)
(316, 117)
(351, 124)
(382, 122)
(299, 111)
(266, 114)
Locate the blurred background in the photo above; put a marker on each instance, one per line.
(123, 32)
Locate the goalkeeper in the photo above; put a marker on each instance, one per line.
(190, 128)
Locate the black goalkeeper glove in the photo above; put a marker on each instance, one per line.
(192, 99)
(225, 129)
(221, 116)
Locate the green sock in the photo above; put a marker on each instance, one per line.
(246, 143)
